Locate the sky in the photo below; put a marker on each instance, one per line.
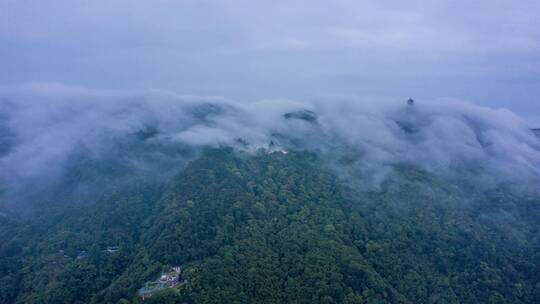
(484, 52)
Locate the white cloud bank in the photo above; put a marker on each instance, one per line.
(43, 124)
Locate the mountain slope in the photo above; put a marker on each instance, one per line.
(277, 228)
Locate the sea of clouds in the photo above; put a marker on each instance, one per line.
(42, 125)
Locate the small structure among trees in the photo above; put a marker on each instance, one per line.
(168, 279)
(112, 249)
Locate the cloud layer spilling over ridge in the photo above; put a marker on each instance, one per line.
(42, 125)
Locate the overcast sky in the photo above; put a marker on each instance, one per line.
(483, 51)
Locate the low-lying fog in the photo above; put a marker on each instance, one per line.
(43, 125)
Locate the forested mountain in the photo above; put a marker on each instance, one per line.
(271, 227)
(269, 152)
(122, 197)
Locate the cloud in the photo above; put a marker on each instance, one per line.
(494, 25)
(296, 49)
(46, 124)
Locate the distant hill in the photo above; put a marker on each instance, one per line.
(305, 115)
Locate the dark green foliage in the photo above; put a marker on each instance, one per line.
(305, 115)
(276, 228)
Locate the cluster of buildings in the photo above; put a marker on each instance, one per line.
(169, 279)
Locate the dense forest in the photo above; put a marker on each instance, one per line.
(270, 227)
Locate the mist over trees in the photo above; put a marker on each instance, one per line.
(269, 202)
(275, 228)
(43, 125)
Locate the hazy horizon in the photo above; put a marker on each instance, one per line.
(484, 52)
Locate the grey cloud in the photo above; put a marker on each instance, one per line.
(482, 51)
(49, 122)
